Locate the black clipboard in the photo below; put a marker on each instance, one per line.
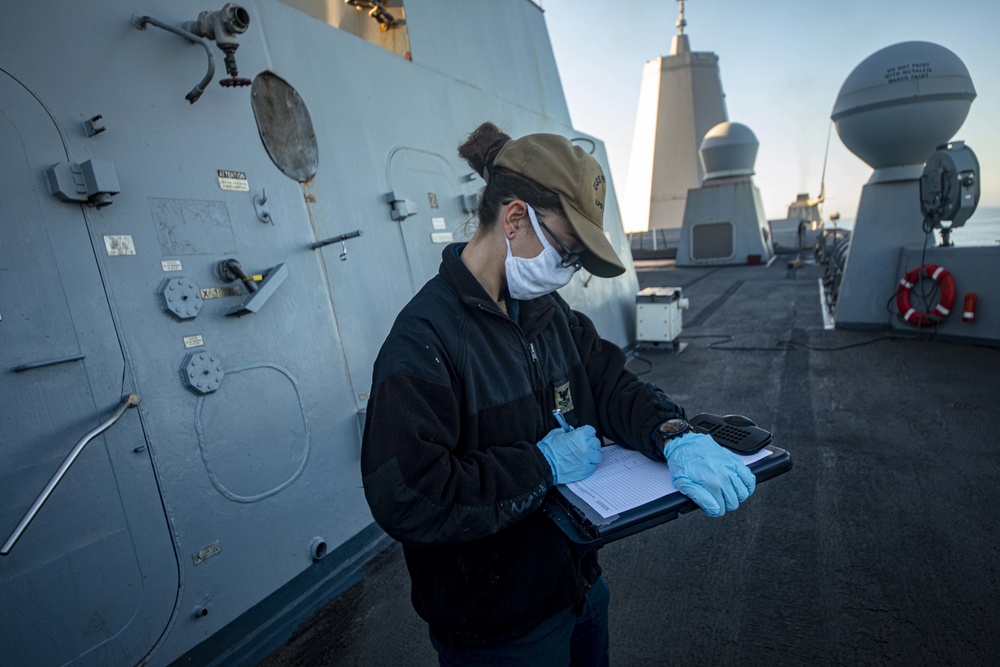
(585, 527)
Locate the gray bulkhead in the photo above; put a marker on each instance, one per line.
(202, 502)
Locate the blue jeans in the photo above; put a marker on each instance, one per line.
(562, 640)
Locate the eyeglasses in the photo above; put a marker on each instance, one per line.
(569, 258)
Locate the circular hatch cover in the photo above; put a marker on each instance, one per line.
(285, 126)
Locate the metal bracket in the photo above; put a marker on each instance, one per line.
(258, 203)
(91, 127)
(93, 181)
(378, 12)
(402, 208)
(273, 277)
(469, 203)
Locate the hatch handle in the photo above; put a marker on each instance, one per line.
(338, 239)
(269, 282)
(129, 401)
(48, 362)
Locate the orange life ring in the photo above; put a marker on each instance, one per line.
(941, 310)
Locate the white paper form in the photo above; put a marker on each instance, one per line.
(626, 479)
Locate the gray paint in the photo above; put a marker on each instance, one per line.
(973, 268)
(888, 217)
(199, 505)
(734, 200)
(94, 575)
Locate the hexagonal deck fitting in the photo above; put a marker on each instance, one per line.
(202, 372)
(181, 297)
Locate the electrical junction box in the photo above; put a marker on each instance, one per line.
(658, 316)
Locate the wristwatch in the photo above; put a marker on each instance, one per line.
(669, 430)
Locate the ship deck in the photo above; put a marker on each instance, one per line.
(880, 546)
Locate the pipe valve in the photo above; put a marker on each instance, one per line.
(223, 26)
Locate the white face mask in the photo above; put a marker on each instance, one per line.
(532, 277)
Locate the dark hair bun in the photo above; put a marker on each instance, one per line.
(481, 147)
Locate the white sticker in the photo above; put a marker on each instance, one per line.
(194, 341)
(119, 244)
(439, 223)
(236, 181)
(442, 237)
(171, 264)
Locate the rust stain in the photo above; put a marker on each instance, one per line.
(310, 199)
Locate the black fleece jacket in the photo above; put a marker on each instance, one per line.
(461, 394)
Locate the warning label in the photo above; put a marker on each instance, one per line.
(235, 181)
(908, 72)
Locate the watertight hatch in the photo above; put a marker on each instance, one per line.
(72, 585)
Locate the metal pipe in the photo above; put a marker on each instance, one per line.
(192, 97)
(337, 239)
(129, 401)
(48, 362)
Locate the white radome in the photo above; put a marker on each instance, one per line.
(902, 102)
(729, 149)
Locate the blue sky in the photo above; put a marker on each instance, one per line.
(782, 64)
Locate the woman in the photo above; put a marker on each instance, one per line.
(461, 446)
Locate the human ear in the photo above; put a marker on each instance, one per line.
(515, 218)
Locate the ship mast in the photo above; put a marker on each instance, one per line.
(680, 43)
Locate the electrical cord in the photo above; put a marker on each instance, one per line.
(643, 360)
(791, 345)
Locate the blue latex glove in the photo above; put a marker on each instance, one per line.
(572, 455)
(707, 473)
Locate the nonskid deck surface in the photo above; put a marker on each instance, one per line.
(879, 547)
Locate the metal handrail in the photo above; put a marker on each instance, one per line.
(129, 401)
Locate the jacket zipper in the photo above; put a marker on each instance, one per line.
(535, 366)
(530, 354)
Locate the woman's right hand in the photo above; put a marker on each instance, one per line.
(572, 455)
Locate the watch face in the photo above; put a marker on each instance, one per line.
(672, 428)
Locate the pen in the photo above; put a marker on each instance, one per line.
(557, 413)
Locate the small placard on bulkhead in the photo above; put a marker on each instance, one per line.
(235, 181)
